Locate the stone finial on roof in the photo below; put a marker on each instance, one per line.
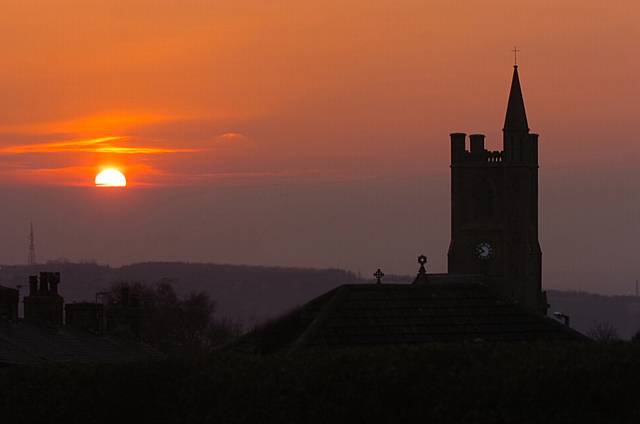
(422, 272)
(378, 274)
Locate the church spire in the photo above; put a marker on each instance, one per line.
(516, 118)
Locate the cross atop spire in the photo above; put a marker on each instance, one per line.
(515, 55)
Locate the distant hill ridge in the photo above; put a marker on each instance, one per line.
(252, 294)
(247, 294)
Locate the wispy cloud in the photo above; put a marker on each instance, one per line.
(95, 145)
(152, 149)
(106, 122)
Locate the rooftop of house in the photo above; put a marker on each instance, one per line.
(448, 309)
(41, 336)
(4, 289)
(22, 343)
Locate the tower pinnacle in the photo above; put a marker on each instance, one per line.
(516, 117)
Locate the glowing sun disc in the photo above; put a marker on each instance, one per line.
(111, 178)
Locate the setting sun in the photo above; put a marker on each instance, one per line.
(111, 178)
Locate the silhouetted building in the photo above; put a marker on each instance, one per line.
(493, 291)
(22, 343)
(494, 208)
(444, 308)
(9, 299)
(41, 337)
(43, 305)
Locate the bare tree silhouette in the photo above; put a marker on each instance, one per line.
(603, 332)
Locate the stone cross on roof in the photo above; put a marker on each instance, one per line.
(422, 272)
(378, 274)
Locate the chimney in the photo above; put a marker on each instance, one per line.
(44, 306)
(457, 147)
(54, 280)
(44, 282)
(33, 285)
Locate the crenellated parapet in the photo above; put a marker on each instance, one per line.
(474, 152)
(495, 156)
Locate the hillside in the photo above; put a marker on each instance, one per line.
(245, 294)
(587, 310)
(253, 294)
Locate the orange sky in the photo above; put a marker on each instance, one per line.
(307, 87)
(254, 93)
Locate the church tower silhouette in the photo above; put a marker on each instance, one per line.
(494, 208)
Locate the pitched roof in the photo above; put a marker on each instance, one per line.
(516, 117)
(8, 289)
(22, 343)
(383, 314)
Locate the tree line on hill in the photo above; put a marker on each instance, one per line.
(176, 325)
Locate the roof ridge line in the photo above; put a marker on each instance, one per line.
(312, 329)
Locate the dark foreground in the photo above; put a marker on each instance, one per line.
(439, 384)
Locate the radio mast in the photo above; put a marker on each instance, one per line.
(31, 260)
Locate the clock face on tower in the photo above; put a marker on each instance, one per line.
(484, 251)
